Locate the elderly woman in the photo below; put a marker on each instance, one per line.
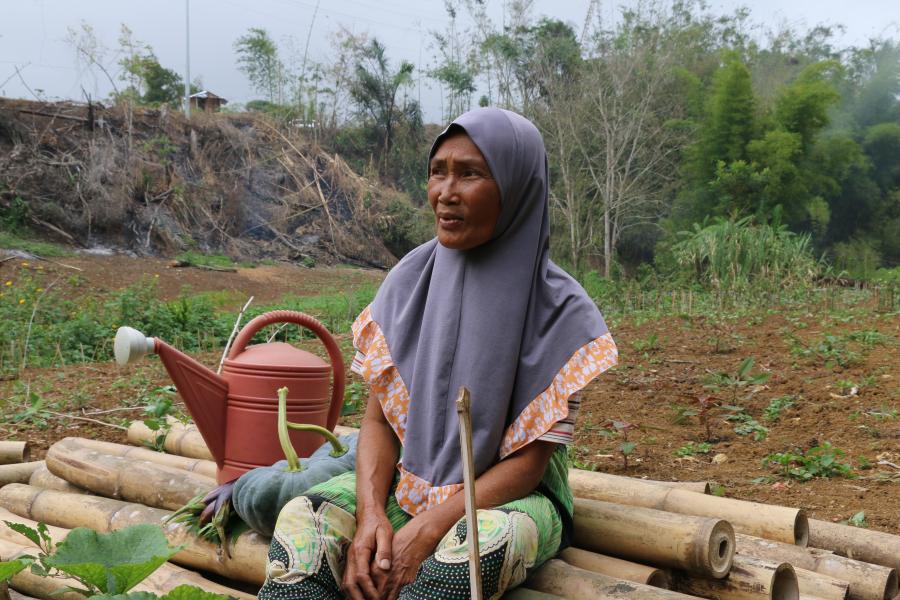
(481, 305)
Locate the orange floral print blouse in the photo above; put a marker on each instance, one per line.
(549, 417)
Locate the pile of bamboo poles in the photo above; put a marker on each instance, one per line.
(632, 538)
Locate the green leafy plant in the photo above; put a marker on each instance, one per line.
(158, 406)
(745, 424)
(831, 349)
(738, 380)
(646, 345)
(773, 411)
(690, 449)
(819, 461)
(354, 395)
(857, 520)
(105, 565)
(626, 448)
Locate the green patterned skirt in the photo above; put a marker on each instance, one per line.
(313, 532)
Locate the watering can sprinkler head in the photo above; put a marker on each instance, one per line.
(131, 345)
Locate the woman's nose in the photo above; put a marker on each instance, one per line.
(448, 191)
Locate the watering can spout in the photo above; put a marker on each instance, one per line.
(204, 392)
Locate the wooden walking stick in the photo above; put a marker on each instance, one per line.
(463, 404)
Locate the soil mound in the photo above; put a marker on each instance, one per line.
(154, 183)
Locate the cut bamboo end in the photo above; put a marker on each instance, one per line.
(14, 452)
(862, 544)
(615, 567)
(749, 579)
(780, 523)
(866, 581)
(18, 472)
(700, 545)
(561, 579)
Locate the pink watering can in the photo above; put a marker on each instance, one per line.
(236, 411)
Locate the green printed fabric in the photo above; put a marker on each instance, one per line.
(313, 532)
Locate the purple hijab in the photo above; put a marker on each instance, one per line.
(501, 318)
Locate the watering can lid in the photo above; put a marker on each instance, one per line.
(279, 356)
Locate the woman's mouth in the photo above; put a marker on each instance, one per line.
(450, 223)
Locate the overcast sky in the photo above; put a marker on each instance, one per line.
(33, 32)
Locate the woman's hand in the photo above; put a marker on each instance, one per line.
(369, 555)
(411, 545)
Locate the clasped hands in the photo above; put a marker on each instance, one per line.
(380, 561)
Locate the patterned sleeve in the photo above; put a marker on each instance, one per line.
(563, 431)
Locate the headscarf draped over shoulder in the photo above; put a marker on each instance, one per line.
(500, 319)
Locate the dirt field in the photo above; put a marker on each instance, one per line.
(666, 365)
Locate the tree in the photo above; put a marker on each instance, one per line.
(374, 89)
(258, 60)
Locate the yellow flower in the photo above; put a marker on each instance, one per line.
(40, 289)
(8, 283)
(156, 274)
(21, 300)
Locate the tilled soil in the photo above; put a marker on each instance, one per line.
(665, 367)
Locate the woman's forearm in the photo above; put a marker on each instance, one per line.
(510, 479)
(376, 460)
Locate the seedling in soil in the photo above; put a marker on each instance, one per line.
(831, 349)
(773, 411)
(857, 520)
(820, 461)
(647, 345)
(158, 405)
(626, 448)
(690, 449)
(746, 424)
(741, 378)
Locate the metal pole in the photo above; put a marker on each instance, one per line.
(187, 58)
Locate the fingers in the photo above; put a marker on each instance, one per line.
(383, 538)
(358, 582)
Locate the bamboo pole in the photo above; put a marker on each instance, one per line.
(749, 579)
(183, 440)
(700, 545)
(862, 544)
(166, 578)
(822, 586)
(34, 585)
(763, 520)
(18, 472)
(561, 579)
(463, 411)
(43, 478)
(200, 466)
(866, 581)
(615, 567)
(13, 452)
(244, 561)
(133, 480)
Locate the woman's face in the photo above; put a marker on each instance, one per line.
(463, 194)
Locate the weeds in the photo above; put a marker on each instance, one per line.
(354, 395)
(158, 406)
(746, 424)
(773, 411)
(820, 461)
(690, 449)
(647, 345)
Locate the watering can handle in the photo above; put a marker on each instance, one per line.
(304, 320)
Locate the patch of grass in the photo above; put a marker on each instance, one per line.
(690, 449)
(12, 241)
(212, 260)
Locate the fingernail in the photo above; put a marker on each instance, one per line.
(384, 564)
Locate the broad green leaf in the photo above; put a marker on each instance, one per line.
(112, 562)
(25, 530)
(10, 568)
(189, 592)
(745, 367)
(128, 596)
(627, 448)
